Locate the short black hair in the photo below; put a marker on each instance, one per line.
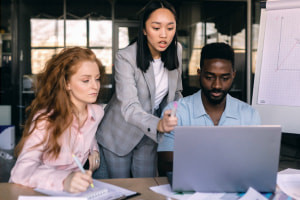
(217, 50)
(169, 56)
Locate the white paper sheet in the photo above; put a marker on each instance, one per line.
(167, 191)
(289, 184)
(206, 196)
(252, 194)
(113, 192)
(49, 198)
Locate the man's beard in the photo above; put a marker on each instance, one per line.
(214, 101)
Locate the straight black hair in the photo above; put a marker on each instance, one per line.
(217, 50)
(169, 56)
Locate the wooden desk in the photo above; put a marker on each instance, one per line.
(161, 180)
(10, 191)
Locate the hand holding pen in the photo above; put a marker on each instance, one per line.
(169, 120)
(78, 181)
(174, 109)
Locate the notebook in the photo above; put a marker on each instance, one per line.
(226, 158)
(101, 191)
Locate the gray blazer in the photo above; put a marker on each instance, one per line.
(129, 115)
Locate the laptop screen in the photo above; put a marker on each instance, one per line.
(226, 158)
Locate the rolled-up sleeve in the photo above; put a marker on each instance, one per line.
(94, 146)
(30, 170)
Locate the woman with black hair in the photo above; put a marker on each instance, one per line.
(147, 77)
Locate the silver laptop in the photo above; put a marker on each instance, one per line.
(226, 158)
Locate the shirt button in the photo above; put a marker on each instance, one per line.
(149, 129)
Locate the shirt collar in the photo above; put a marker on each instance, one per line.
(198, 107)
(91, 112)
(91, 115)
(230, 108)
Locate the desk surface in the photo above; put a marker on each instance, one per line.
(10, 191)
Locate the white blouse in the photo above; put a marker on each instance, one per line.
(161, 81)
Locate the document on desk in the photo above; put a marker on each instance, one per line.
(50, 198)
(167, 191)
(101, 191)
(289, 184)
(214, 196)
(252, 194)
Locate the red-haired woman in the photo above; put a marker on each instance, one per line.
(62, 121)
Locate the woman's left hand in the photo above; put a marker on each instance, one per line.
(94, 161)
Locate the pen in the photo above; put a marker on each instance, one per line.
(80, 167)
(173, 112)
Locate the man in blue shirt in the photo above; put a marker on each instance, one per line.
(212, 105)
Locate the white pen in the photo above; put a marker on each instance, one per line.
(80, 166)
(173, 111)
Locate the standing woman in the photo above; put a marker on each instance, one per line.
(62, 122)
(147, 77)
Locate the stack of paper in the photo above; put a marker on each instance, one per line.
(289, 182)
(101, 191)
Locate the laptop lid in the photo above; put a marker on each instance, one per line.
(226, 158)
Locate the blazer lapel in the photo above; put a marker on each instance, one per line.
(172, 79)
(150, 80)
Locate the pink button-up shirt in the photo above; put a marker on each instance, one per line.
(34, 169)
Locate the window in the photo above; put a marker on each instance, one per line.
(47, 39)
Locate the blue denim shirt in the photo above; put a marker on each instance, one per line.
(191, 112)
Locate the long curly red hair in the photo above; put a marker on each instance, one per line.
(52, 102)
